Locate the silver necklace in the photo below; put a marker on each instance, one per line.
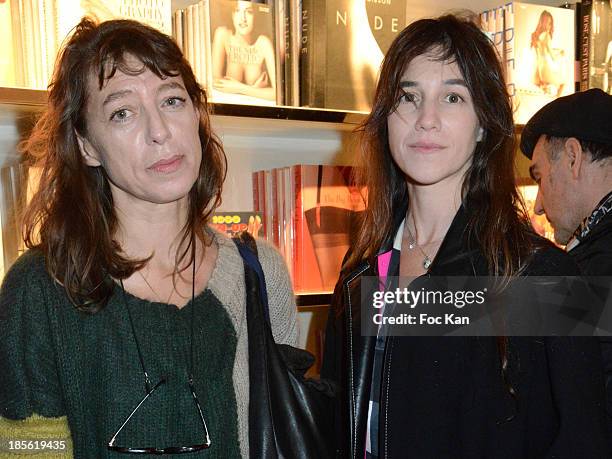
(412, 243)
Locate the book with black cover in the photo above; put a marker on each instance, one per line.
(343, 44)
(596, 45)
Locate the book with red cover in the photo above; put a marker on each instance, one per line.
(327, 209)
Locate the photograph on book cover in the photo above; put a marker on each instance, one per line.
(358, 35)
(242, 52)
(543, 66)
(328, 207)
(234, 223)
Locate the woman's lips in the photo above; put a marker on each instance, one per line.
(426, 147)
(166, 166)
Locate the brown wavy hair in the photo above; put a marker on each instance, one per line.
(498, 221)
(71, 217)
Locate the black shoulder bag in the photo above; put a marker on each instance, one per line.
(289, 415)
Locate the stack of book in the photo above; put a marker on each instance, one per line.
(310, 213)
(32, 32)
(313, 53)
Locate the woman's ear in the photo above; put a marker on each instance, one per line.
(480, 134)
(88, 152)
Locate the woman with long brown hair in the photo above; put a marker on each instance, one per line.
(125, 321)
(437, 158)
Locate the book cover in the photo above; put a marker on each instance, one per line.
(289, 213)
(507, 48)
(50, 44)
(242, 53)
(269, 206)
(543, 40)
(281, 17)
(498, 25)
(596, 45)
(27, 42)
(295, 50)
(7, 59)
(232, 223)
(344, 46)
(327, 209)
(576, 8)
(156, 13)
(18, 43)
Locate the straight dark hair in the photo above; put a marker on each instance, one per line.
(71, 217)
(498, 222)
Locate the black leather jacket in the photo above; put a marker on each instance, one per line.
(469, 429)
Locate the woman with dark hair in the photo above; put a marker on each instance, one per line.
(437, 158)
(125, 321)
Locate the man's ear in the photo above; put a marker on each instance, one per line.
(88, 152)
(575, 155)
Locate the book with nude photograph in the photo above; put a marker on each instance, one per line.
(538, 53)
(343, 44)
(241, 48)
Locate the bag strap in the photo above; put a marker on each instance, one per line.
(248, 251)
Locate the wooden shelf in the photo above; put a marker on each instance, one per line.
(38, 98)
(23, 96)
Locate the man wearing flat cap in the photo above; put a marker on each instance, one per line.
(569, 142)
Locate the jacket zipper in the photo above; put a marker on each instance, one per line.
(384, 394)
(352, 366)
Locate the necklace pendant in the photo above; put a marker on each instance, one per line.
(426, 262)
(410, 245)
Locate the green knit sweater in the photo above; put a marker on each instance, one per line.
(57, 362)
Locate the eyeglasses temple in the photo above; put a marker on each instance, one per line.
(112, 440)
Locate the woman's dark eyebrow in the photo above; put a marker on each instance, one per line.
(455, 81)
(115, 95)
(452, 81)
(170, 85)
(119, 94)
